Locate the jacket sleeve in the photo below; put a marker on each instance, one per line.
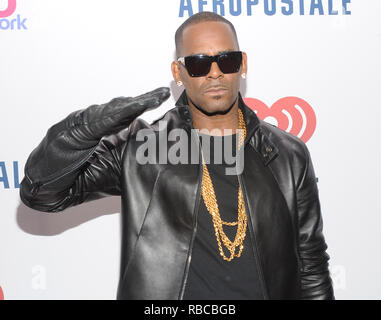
(316, 282)
(62, 172)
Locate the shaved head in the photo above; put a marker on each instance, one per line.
(196, 19)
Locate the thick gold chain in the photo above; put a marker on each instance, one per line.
(210, 201)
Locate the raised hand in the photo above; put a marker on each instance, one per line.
(96, 121)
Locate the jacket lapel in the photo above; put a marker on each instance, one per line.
(269, 217)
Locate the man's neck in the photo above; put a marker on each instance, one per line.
(217, 122)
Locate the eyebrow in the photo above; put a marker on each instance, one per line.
(203, 53)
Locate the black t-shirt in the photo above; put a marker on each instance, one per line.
(210, 276)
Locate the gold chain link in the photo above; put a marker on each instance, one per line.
(210, 201)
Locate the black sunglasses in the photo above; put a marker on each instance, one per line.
(198, 65)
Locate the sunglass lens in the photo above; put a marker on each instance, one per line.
(198, 66)
(230, 62)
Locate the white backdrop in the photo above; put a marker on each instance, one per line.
(63, 55)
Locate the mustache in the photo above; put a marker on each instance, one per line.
(215, 86)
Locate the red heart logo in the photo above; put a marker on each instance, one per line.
(9, 10)
(293, 115)
(1, 294)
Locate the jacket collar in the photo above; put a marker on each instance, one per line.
(255, 135)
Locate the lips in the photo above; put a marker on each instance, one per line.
(216, 90)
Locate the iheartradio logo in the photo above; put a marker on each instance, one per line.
(9, 22)
(291, 114)
(1, 294)
(10, 8)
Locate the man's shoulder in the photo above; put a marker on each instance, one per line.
(170, 118)
(292, 152)
(285, 142)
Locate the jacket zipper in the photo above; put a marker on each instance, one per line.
(50, 179)
(253, 234)
(195, 215)
(299, 258)
(253, 242)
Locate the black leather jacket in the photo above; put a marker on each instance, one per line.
(160, 203)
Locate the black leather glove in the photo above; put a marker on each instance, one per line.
(53, 166)
(89, 125)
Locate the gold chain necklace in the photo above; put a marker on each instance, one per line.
(210, 201)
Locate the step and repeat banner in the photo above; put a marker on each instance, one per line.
(314, 69)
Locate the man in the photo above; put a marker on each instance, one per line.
(189, 230)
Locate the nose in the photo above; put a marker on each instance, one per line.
(214, 71)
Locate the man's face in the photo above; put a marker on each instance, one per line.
(216, 91)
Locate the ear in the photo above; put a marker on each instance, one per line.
(244, 63)
(176, 73)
